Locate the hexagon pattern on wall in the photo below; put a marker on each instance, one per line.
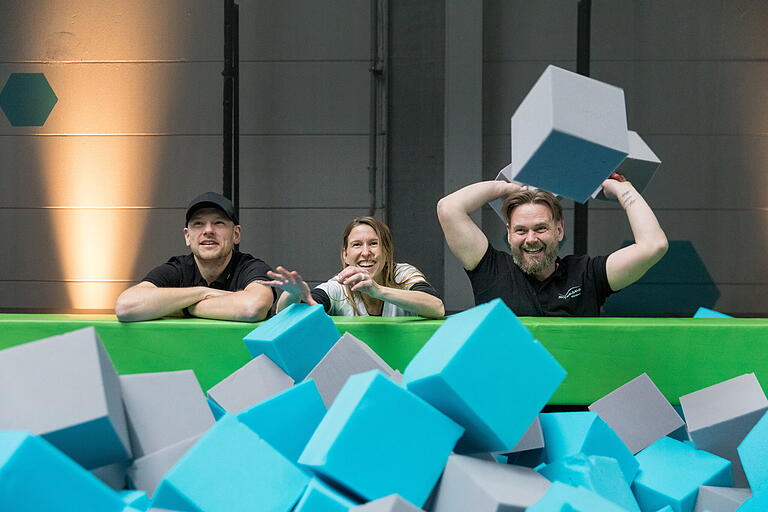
(27, 99)
(676, 286)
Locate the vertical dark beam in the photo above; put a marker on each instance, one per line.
(581, 211)
(228, 74)
(236, 109)
(376, 71)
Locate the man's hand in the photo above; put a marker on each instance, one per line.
(290, 282)
(467, 241)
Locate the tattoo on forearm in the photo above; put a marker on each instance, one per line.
(627, 199)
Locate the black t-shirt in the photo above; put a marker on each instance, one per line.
(182, 272)
(578, 287)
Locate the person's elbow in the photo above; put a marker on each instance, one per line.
(127, 310)
(254, 310)
(658, 248)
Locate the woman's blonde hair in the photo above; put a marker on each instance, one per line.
(387, 252)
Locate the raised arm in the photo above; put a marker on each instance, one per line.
(628, 264)
(145, 301)
(414, 301)
(295, 289)
(249, 305)
(467, 241)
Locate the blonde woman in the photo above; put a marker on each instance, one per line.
(370, 283)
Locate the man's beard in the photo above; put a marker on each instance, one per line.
(534, 263)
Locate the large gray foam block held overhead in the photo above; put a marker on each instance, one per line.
(469, 483)
(638, 413)
(163, 408)
(347, 357)
(391, 503)
(639, 166)
(65, 389)
(719, 416)
(258, 380)
(568, 134)
(720, 499)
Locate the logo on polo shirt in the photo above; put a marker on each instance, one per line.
(570, 294)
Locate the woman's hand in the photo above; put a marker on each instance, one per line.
(291, 282)
(359, 280)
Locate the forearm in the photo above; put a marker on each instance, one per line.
(286, 299)
(146, 303)
(241, 306)
(472, 197)
(420, 303)
(647, 232)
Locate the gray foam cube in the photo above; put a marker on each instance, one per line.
(472, 484)
(65, 389)
(253, 383)
(532, 439)
(114, 475)
(147, 472)
(720, 499)
(719, 416)
(497, 204)
(568, 134)
(346, 357)
(391, 503)
(638, 413)
(163, 408)
(639, 166)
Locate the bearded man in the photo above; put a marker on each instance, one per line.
(533, 280)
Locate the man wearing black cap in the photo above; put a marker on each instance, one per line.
(214, 281)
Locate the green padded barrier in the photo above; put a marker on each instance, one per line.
(680, 355)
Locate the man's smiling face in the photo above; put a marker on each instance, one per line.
(211, 235)
(533, 237)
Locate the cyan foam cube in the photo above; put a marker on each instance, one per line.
(163, 408)
(65, 389)
(217, 411)
(757, 503)
(136, 499)
(719, 416)
(720, 499)
(671, 473)
(319, 497)
(469, 483)
(231, 469)
(571, 433)
(638, 167)
(36, 477)
(347, 357)
(601, 475)
(753, 451)
(378, 439)
(287, 420)
(569, 134)
(638, 413)
(565, 498)
(254, 382)
(483, 369)
(147, 472)
(391, 503)
(703, 312)
(296, 339)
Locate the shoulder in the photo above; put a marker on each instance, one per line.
(332, 288)
(492, 261)
(172, 272)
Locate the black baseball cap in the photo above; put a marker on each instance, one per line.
(212, 200)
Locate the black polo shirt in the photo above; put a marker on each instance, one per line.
(182, 272)
(578, 287)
